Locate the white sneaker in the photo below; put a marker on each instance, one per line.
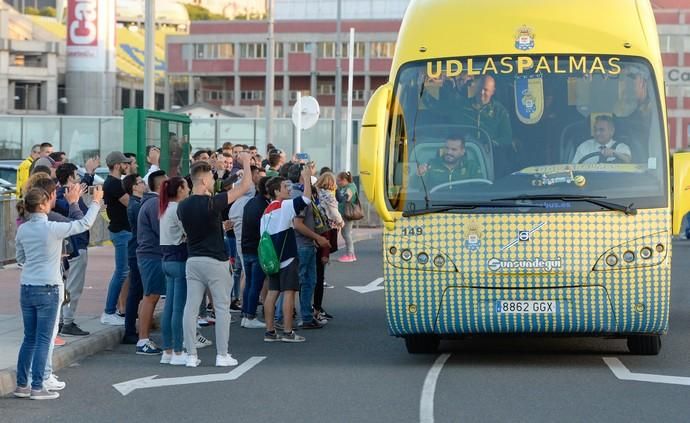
(178, 359)
(254, 324)
(202, 342)
(112, 319)
(244, 319)
(225, 361)
(53, 384)
(192, 361)
(166, 358)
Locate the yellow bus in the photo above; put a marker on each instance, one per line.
(518, 158)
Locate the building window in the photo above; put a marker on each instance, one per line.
(357, 95)
(139, 99)
(213, 51)
(300, 47)
(382, 50)
(253, 50)
(29, 60)
(216, 95)
(327, 50)
(27, 96)
(293, 94)
(124, 102)
(252, 95)
(325, 88)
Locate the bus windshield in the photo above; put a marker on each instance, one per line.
(481, 129)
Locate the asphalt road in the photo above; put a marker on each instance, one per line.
(352, 371)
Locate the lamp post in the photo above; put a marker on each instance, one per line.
(270, 71)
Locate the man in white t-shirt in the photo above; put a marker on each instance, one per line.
(602, 148)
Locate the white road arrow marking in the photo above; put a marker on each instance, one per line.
(370, 287)
(149, 382)
(426, 403)
(622, 373)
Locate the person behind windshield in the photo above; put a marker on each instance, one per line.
(602, 148)
(453, 166)
(488, 114)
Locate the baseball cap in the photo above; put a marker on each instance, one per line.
(116, 157)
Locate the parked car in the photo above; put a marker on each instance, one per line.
(8, 174)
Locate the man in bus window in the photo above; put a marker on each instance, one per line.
(452, 166)
(487, 114)
(602, 148)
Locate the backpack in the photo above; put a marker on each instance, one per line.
(268, 257)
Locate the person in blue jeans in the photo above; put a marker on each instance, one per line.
(116, 201)
(253, 274)
(39, 249)
(134, 187)
(173, 243)
(307, 240)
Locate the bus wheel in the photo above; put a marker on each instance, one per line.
(644, 344)
(422, 344)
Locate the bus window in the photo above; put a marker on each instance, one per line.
(481, 128)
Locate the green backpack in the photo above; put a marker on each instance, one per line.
(268, 257)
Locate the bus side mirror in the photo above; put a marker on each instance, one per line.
(372, 150)
(681, 189)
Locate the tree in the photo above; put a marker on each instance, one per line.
(200, 13)
(49, 11)
(31, 11)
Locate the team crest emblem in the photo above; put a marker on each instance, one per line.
(472, 234)
(529, 98)
(524, 39)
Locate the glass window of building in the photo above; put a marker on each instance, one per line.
(253, 50)
(382, 49)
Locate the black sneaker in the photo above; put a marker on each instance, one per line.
(71, 329)
(235, 306)
(271, 336)
(311, 325)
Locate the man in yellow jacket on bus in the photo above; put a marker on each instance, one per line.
(23, 169)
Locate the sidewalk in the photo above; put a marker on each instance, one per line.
(102, 337)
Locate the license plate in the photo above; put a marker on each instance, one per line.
(526, 307)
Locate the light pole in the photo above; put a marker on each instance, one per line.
(270, 63)
(338, 89)
(150, 57)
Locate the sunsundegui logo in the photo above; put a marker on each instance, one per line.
(538, 264)
(82, 28)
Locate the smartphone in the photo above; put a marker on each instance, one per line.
(302, 157)
(92, 188)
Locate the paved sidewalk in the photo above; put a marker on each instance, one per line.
(102, 337)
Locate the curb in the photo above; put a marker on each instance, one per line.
(77, 349)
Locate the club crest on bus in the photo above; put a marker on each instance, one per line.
(472, 241)
(524, 40)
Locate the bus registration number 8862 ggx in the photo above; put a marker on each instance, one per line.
(526, 307)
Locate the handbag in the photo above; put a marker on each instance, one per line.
(353, 210)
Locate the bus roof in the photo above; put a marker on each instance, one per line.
(453, 28)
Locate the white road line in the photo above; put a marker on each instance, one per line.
(372, 286)
(127, 387)
(426, 404)
(621, 372)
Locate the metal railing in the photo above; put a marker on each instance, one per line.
(82, 137)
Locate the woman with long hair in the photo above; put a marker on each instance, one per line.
(39, 250)
(174, 249)
(328, 206)
(347, 193)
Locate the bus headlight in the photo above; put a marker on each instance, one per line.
(439, 261)
(422, 258)
(659, 248)
(611, 260)
(406, 255)
(646, 253)
(629, 256)
(393, 251)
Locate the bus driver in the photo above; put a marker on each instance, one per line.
(602, 148)
(452, 166)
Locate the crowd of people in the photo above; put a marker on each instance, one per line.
(199, 241)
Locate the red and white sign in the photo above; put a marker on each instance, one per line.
(82, 18)
(91, 35)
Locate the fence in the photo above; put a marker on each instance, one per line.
(82, 137)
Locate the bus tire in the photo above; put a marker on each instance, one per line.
(644, 344)
(422, 344)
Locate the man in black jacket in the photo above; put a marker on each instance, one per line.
(254, 276)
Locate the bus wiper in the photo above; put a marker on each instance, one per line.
(593, 199)
(444, 207)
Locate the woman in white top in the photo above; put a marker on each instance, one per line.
(39, 250)
(174, 249)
